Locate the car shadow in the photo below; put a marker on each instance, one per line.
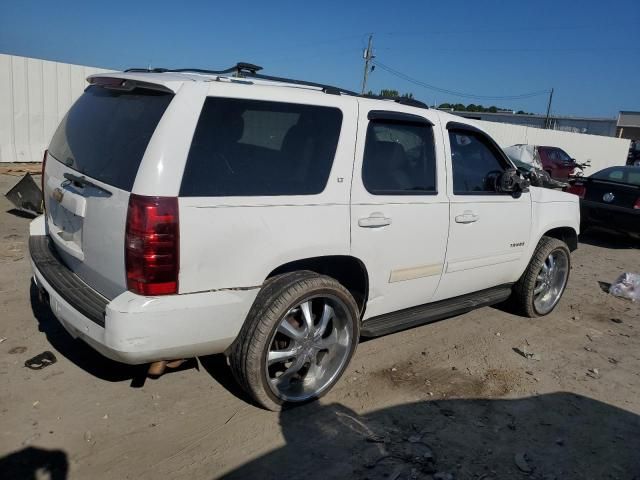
(78, 352)
(34, 463)
(554, 436)
(606, 239)
(216, 366)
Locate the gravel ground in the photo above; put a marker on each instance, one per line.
(447, 400)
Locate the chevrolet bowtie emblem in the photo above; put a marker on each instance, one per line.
(57, 195)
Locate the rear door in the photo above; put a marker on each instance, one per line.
(399, 207)
(91, 167)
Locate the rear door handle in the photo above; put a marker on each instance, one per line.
(375, 220)
(467, 217)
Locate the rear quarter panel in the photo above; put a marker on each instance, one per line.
(230, 242)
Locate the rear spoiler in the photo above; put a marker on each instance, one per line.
(126, 84)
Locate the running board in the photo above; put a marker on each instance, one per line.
(431, 312)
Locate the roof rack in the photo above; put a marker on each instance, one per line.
(249, 70)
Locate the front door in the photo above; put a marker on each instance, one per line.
(488, 230)
(399, 207)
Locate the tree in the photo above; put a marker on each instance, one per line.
(388, 93)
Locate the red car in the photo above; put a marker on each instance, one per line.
(556, 162)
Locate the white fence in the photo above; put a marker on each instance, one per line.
(34, 96)
(602, 151)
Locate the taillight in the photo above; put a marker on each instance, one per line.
(636, 205)
(152, 245)
(44, 163)
(577, 189)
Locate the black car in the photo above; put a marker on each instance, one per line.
(610, 199)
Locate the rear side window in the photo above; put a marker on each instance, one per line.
(252, 148)
(475, 163)
(399, 159)
(618, 175)
(106, 132)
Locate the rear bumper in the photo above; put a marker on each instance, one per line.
(135, 329)
(610, 216)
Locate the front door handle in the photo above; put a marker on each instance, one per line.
(467, 217)
(375, 220)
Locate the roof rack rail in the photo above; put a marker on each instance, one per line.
(249, 70)
(411, 102)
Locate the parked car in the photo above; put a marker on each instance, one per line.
(526, 159)
(278, 221)
(557, 163)
(610, 200)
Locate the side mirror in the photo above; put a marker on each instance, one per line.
(510, 181)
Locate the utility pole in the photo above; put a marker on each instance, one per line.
(547, 120)
(368, 56)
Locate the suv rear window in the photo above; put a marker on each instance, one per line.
(106, 133)
(250, 148)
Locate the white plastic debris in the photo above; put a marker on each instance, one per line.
(627, 285)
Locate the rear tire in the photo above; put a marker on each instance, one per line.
(541, 286)
(297, 340)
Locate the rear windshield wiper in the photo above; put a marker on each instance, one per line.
(83, 181)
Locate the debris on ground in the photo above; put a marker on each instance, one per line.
(17, 350)
(26, 196)
(627, 285)
(616, 320)
(522, 462)
(41, 361)
(593, 373)
(526, 353)
(3, 339)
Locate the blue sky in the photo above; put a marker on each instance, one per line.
(589, 51)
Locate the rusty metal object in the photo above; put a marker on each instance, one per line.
(157, 369)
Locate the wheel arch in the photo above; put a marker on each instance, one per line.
(567, 234)
(348, 270)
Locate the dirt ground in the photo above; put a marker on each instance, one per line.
(443, 401)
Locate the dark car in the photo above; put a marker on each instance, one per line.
(610, 199)
(556, 162)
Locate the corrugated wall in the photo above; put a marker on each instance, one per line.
(34, 96)
(602, 151)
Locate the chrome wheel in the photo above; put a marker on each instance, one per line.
(550, 282)
(309, 348)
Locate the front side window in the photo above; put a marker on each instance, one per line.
(475, 161)
(399, 158)
(253, 148)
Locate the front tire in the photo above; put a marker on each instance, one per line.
(542, 284)
(297, 340)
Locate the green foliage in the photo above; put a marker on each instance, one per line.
(459, 107)
(390, 93)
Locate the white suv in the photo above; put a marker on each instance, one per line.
(191, 213)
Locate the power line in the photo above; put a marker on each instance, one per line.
(453, 92)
